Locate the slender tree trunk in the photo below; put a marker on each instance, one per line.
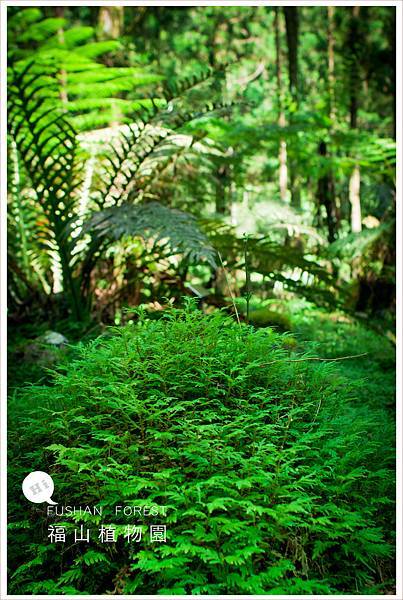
(223, 200)
(292, 30)
(110, 22)
(354, 195)
(330, 61)
(282, 156)
(354, 85)
(110, 27)
(212, 44)
(326, 195)
(326, 188)
(354, 66)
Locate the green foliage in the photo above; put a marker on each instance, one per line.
(47, 146)
(285, 265)
(335, 336)
(275, 477)
(368, 266)
(191, 99)
(45, 143)
(181, 157)
(91, 91)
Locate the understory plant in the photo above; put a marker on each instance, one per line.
(79, 222)
(275, 477)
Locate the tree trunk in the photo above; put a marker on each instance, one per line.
(223, 173)
(326, 195)
(282, 156)
(110, 22)
(326, 188)
(330, 61)
(212, 44)
(354, 195)
(110, 27)
(354, 42)
(292, 28)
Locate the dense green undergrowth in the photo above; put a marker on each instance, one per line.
(275, 470)
(362, 354)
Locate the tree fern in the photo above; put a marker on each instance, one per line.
(50, 151)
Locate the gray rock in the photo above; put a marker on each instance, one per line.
(53, 338)
(47, 349)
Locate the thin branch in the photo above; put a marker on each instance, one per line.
(316, 358)
(229, 289)
(244, 81)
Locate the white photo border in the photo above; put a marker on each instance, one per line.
(4, 4)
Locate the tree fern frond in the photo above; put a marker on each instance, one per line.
(177, 88)
(74, 55)
(287, 265)
(47, 145)
(42, 30)
(152, 220)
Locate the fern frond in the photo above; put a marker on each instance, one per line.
(286, 265)
(163, 225)
(75, 56)
(47, 145)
